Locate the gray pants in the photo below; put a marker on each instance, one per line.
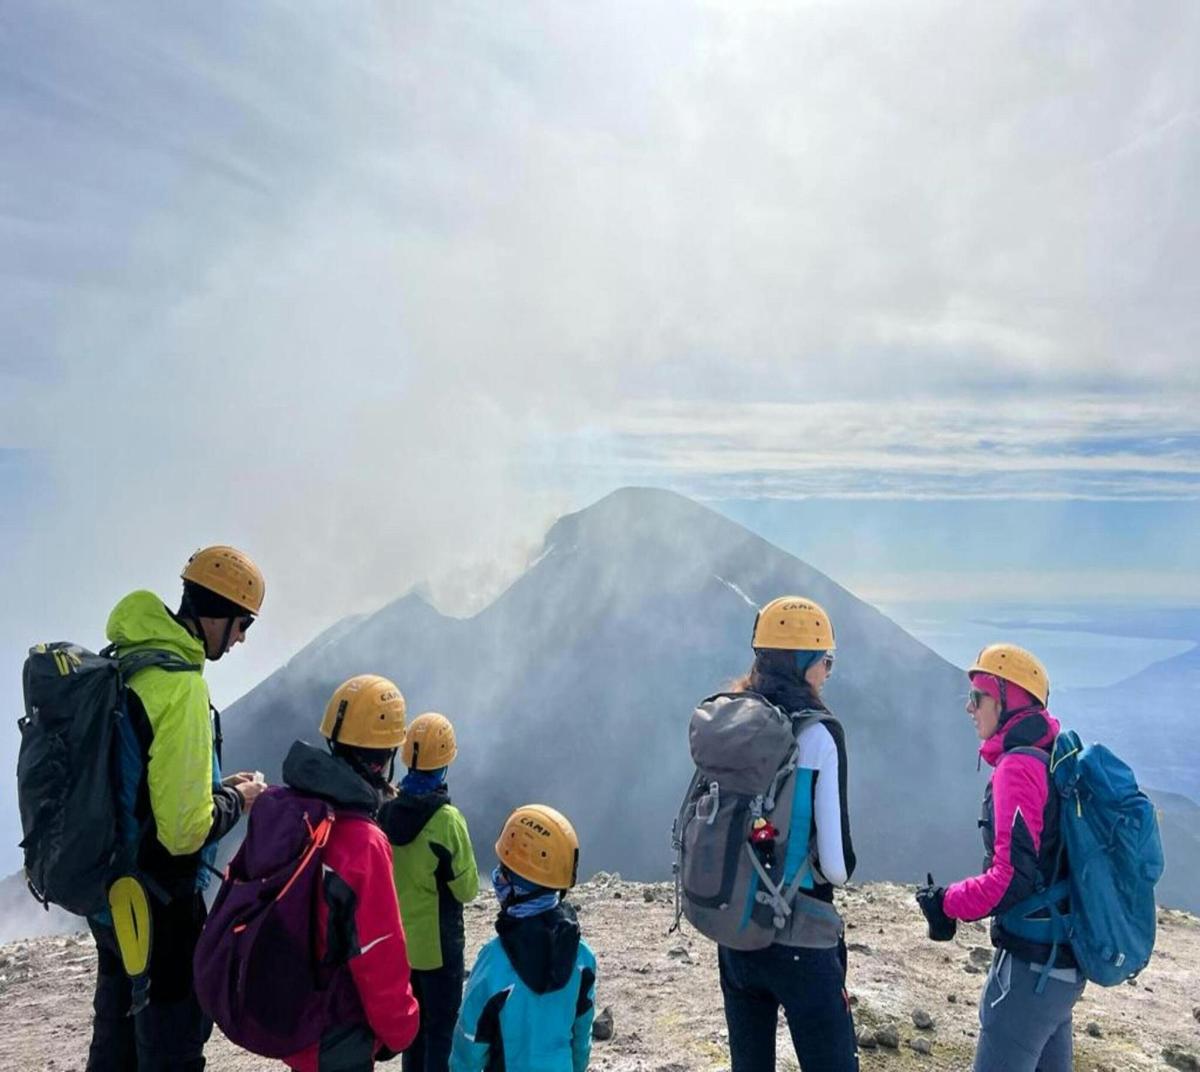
(1022, 1031)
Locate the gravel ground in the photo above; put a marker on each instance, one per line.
(665, 1001)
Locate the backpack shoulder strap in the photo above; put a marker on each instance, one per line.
(801, 720)
(143, 659)
(1030, 750)
(218, 736)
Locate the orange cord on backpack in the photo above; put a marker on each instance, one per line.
(319, 837)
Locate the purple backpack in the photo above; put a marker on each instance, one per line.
(256, 969)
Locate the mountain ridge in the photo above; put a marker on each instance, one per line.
(1131, 716)
(636, 608)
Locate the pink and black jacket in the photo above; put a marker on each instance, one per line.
(1020, 830)
(358, 925)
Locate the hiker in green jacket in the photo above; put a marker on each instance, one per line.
(184, 805)
(436, 875)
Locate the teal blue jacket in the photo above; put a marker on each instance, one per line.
(530, 999)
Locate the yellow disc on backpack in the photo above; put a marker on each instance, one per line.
(130, 909)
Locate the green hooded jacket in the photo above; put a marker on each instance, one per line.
(434, 868)
(180, 768)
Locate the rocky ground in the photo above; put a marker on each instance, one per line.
(914, 1000)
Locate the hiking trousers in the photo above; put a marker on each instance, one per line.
(810, 986)
(1019, 1029)
(114, 1046)
(439, 995)
(349, 1048)
(170, 1033)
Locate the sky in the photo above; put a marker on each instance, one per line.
(377, 291)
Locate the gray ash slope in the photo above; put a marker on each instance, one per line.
(665, 1000)
(575, 688)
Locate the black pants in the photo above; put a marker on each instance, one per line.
(169, 1034)
(439, 995)
(810, 985)
(347, 1049)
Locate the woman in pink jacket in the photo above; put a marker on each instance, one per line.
(1021, 1029)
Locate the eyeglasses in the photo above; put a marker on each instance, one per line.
(245, 622)
(974, 698)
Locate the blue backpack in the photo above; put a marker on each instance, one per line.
(1109, 834)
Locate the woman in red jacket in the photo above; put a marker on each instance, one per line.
(358, 918)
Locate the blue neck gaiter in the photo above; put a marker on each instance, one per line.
(417, 783)
(508, 886)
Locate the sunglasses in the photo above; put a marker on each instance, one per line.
(975, 697)
(828, 661)
(245, 622)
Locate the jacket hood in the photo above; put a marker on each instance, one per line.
(1032, 729)
(142, 620)
(405, 817)
(541, 948)
(312, 770)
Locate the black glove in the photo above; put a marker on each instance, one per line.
(384, 1054)
(930, 897)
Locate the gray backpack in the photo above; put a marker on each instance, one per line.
(741, 889)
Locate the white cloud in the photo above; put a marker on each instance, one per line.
(377, 290)
(1022, 589)
(1135, 448)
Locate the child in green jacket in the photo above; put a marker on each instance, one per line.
(531, 997)
(435, 874)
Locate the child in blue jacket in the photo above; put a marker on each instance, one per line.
(530, 999)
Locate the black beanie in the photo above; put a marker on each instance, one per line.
(200, 602)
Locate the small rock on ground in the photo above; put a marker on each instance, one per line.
(602, 1025)
(921, 1045)
(922, 1019)
(888, 1036)
(1181, 1059)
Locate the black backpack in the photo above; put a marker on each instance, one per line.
(79, 770)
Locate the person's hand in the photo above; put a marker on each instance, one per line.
(249, 792)
(930, 899)
(233, 780)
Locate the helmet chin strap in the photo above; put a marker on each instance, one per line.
(229, 624)
(1005, 713)
(188, 618)
(368, 773)
(198, 631)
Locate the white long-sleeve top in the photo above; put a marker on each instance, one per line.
(821, 749)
